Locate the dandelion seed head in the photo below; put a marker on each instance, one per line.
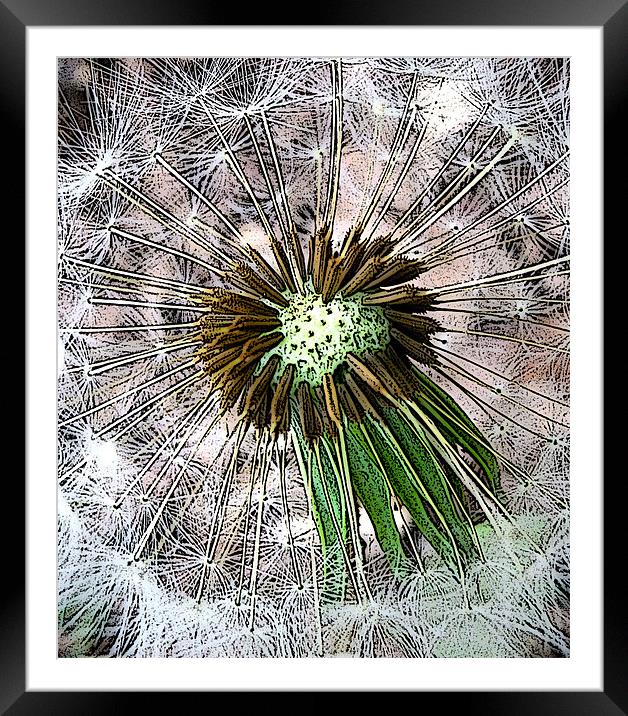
(371, 187)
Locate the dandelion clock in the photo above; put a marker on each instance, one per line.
(313, 357)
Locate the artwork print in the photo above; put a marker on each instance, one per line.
(313, 357)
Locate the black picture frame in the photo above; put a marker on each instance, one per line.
(17, 15)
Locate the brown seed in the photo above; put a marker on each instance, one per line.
(331, 399)
(364, 398)
(370, 378)
(417, 350)
(350, 241)
(280, 404)
(225, 337)
(418, 325)
(379, 247)
(363, 276)
(269, 273)
(233, 385)
(409, 297)
(348, 265)
(321, 254)
(398, 367)
(351, 408)
(308, 414)
(330, 427)
(244, 277)
(297, 252)
(378, 366)
(261, 385)
(283, 263)
(261, 417)
(225, 301)
(394, 271)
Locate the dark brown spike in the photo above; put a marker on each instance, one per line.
(233, 384)
(325, 231)
(350, 241)
(332, 403)
(246, 306)
(395, 271)
(261, 385)
(245, 278)
(350, 263)
(225, 301)
(363, 276)
(244, 392)
(311, 250)
(420, 352)
(225, 337)
(379, 247)
(280, 404)
(231, 379)
(363, 398)
(397, 375)
(261, 417)
(328, 277)
(297, 252)
(270, 275)
(216, 359)
(378, 366)
(329, 425)
(281, 258)
(332, 279)
(320, 260)
(240, 357)
(410, 297)
(255, 324)
(337, 280)
(368, 377)
(350, 407)
(406, 269)
(356, 259)
(365, 263)
(261, 344)
(416, 325)
(402, 372)
(308, 414)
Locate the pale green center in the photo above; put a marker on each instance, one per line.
(318, 335)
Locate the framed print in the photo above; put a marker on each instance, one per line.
(325, 411)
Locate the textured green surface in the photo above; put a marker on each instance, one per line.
(402, 456)
(456, 425)
(318, 335)
(334, 570)
(436, 483)
(405, 480)
(374, 493)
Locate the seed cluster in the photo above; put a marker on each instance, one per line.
(321, 338)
